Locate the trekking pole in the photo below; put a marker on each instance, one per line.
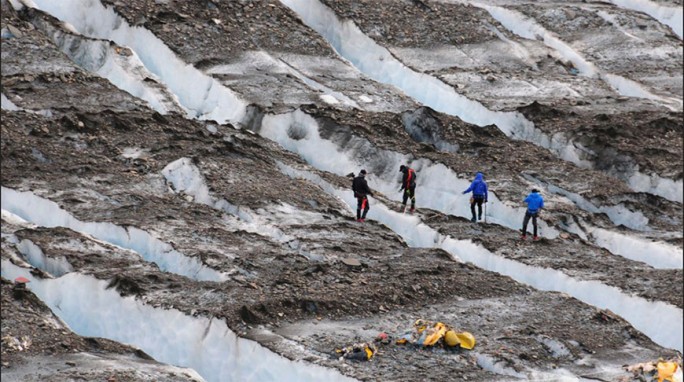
(485, 219)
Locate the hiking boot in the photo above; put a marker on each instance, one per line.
(412, 210)
(479, 217)
(360, 220)
(402, 209)
(523, 237)
(472, 219)
(536, 238)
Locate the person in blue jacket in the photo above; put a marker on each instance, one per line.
(535, 203)
(479, 190)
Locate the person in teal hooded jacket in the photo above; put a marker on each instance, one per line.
(535, 203)
(479, 189)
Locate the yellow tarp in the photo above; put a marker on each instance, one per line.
(437, 333)
(466, 340)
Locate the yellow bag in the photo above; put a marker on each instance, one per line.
(464, 339)
(450, 338)
(666, 371)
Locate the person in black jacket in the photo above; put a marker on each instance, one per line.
(361, 192)
(408, 187)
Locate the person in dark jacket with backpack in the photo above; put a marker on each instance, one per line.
(535, 203)
(479, 189)
(408, 187)
(361, 192)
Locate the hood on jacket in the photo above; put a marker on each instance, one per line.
(478, 176)
(534, 196)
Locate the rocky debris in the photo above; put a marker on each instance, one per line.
(531, 337)
(249, 159)
(432, 23)
(619, 141)
(238, 26)
(631, 52)
(282, 287)
(271, 287)
(266, 46)
(351, 262)
(317, 279)
(591, 120)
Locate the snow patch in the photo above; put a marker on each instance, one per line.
(203, 96)
(529, 29)
(379, 64)
(47, 213)
(170, 336)
(654, 184)
(489, 363)
(657, 255)
(329, 99)
(7, 104)
(16, 220)
(186, 177)
(133, 152)
(670, 16)
(612, 20)
(19, 4)
(619, 215)
(211, 128)
(35, 256)
(263, 61)
(120, 65)
(629, 88)
(557, 348)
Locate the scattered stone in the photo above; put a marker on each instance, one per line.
(351, 262)
(15, 31)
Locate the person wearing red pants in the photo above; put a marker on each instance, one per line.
(361, 193)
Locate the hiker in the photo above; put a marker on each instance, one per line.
(535, 203)
(361, 192)
(480, 194)
(408, 187)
